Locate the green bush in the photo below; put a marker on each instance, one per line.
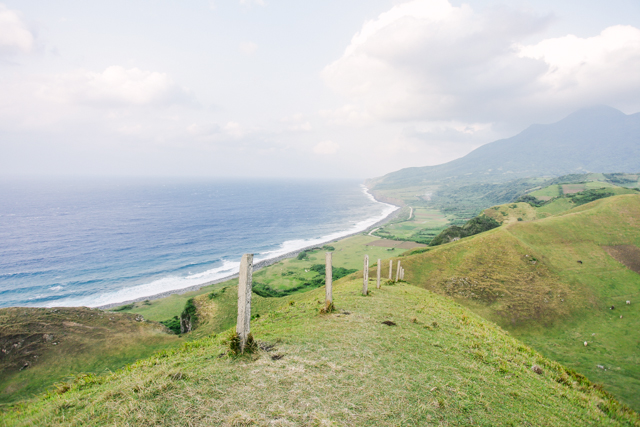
(124, 307)
(173, 324)
(530, 200)
(474, 226)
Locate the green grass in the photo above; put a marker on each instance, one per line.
(424, 224)
(547, 298)
(440, 364)
(289, 273)
(63, 342)
(548, 192)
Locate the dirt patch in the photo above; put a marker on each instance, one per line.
(629, 255)
(385, 243)
(573, 188)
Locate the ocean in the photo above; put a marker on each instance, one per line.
(92, 242)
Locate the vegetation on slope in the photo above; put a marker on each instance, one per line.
(474, 226)
(433, 362)
(40, 346)
(571, 145)
(552, 283)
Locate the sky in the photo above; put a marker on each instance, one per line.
(296, 89)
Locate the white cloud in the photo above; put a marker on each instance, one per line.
(14, 34)
(600, 69)
(430, 60)
(234, 130)
(348, 114)
(115, 86)
(248, 48)
(297, 123)
(250, 2)
(326, 147)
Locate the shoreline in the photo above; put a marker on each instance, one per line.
(257, 266)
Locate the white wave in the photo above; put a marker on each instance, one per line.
(166, 284)
(56, 288)
(294, 245)
(228, 268)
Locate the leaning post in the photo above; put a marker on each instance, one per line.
(378, 281)
(244, 299)
(328, 268)
(390, 269)
(365, 276)
(398, 271)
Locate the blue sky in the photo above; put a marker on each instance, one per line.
(296, 89)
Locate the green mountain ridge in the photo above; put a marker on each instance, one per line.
(597, 139)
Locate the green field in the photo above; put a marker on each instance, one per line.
(548, 193)
(436, 364)
(526, 277)
(423, 225)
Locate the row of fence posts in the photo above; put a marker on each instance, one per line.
(243, 325)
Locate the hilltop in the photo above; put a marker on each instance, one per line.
(597, 139)
(434, 362)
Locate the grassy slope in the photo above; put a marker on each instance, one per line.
(423, 225)
(579, 235)
(348, 254)
(441, 365)
(59, 343)
(548, 299)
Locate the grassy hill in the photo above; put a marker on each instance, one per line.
(436, 363)
(552, 282)
(41, 346)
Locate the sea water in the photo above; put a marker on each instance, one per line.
(93, 242)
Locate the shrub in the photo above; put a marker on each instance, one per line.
(124, 307)
(173, 324)
(474, 226)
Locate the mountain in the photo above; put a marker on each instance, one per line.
(597, 139)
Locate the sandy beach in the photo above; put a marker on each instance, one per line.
(257, 266)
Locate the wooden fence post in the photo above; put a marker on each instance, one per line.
(398, 271)
(390, 269)
(328, 267)
(244, 299)
(378, 281)
(365, 276)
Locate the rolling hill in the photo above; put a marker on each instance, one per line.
(432, 362)
(552, 280)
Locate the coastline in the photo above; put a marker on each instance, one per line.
(259, 265)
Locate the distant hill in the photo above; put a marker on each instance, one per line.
(597, 139)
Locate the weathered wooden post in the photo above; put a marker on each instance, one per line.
(365, 276)
(378, 281)
(244, 299)
(390, 268)
(398, 271)
(402, 274)
(328, 268)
